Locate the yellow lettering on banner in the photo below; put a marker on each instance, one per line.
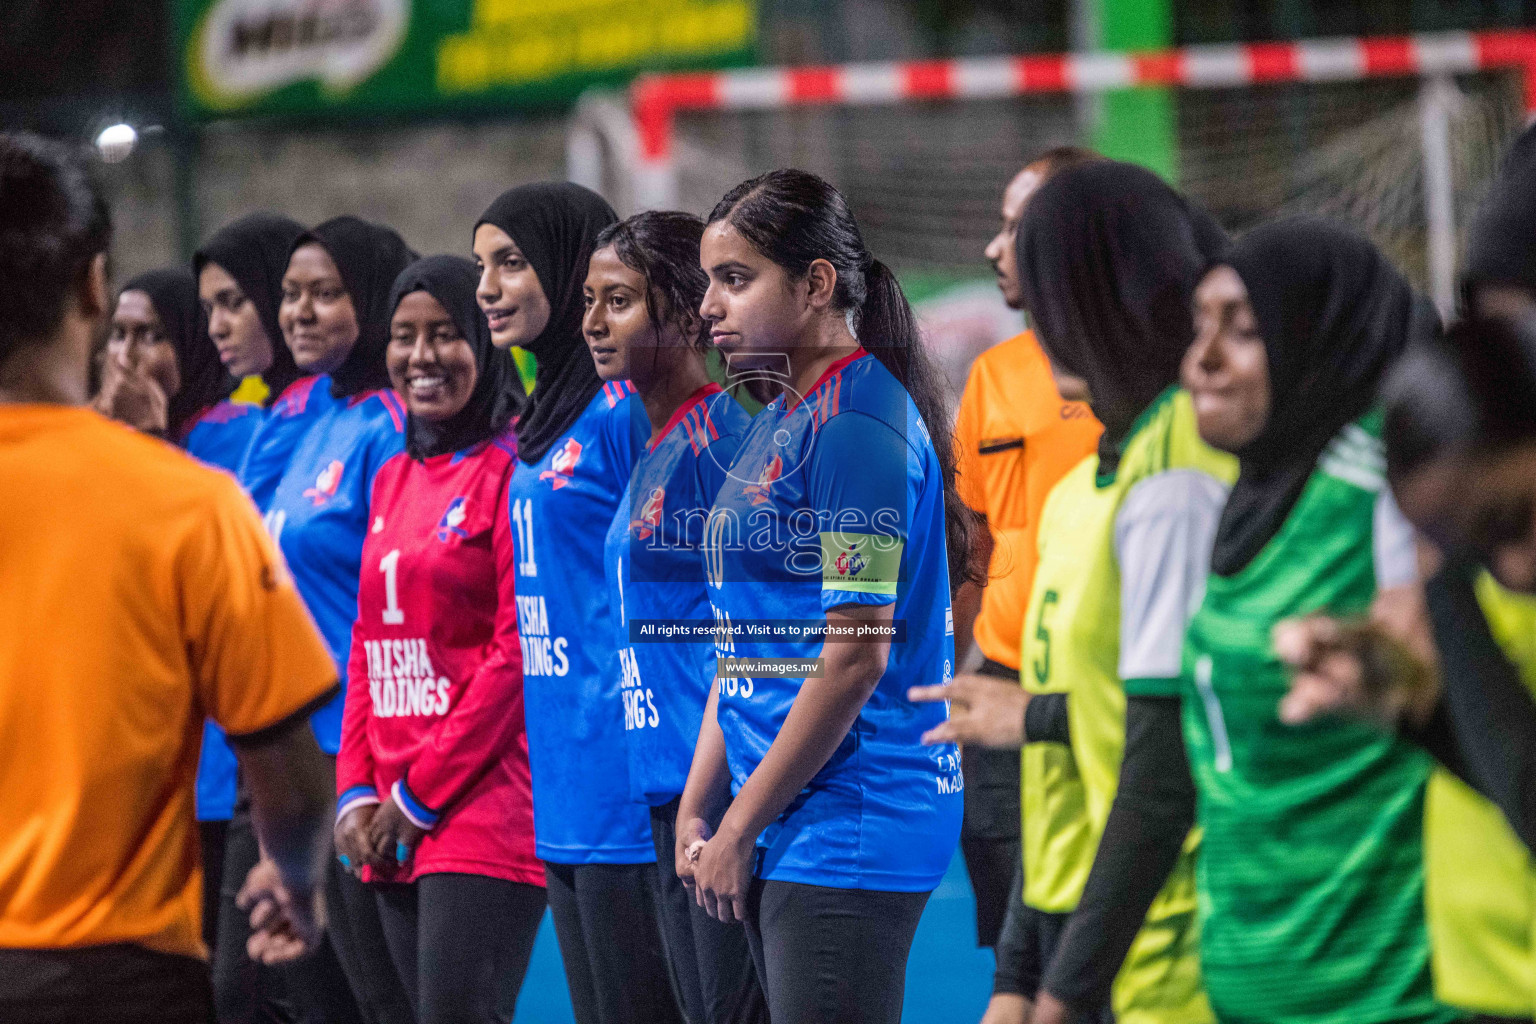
(613, 45)
(517, 42)
(501, 13)
(463, 64)
(489, 13)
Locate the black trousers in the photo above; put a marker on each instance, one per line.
(610, 943)
(210, 835)
(832, 956)
(710, 963)
(1025, 948)
(116, 984)
(989, 828)
(316, 989)
(460, 944)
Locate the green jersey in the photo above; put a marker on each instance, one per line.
(1311, 876)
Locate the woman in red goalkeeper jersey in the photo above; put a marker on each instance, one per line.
(435, 805)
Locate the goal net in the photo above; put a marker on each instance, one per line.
(1398, 138)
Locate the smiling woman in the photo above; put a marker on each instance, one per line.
(335, 315)
(435, 796)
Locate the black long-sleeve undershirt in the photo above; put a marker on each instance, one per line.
(1484, 728)
(1152, 813)
(1045, 719)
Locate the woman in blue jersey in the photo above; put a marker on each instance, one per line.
(335, 320)
(642, 325)
(830, 552)
(239, 280)
(577, 439)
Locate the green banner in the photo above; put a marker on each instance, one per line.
(309, 57)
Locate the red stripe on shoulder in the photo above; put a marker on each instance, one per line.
(392, 404)
(295, 396)
(507, 440)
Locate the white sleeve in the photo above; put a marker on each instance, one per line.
(1163, 537)
(1392, 544)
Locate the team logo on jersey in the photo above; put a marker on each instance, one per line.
(650, 514)
(850, 563)
(326, 483)
(563, 464)
(451, 525)
(772, 470)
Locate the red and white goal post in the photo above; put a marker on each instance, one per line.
(637, 136)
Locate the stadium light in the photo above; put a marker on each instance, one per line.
(116, 142)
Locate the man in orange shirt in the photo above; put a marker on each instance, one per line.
(139, 595)
(1015, 436)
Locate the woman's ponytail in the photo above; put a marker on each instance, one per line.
(888, 328)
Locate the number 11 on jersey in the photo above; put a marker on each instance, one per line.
(522, 521)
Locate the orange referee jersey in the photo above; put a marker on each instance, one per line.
(1014, 438)
(138, 593)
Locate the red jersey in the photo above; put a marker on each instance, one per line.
(434, 709)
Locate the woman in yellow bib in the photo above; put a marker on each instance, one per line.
(1109, 257)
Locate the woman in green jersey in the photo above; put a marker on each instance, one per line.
(1311, 872)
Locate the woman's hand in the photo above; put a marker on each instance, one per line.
(984, 711)
(691, 837)
(1050, 1010)
(392, 837)
(1006, 1008)
(131, 396)
(285, 924)
(351, 837)
(1384, 672)
(723, 873)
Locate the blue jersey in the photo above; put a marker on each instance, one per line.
(560, 508)
(834, 500)
(220, 438)
(319, 516)
(655, 567)
(284, 425)
(222, 435)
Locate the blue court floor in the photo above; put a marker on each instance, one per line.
(948, 978)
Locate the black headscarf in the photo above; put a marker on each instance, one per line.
(1109, 256)
(1334, 315)
(204, 381)
(1501, 244)
(369, 257)
(254, 250)
(452, 281)
(555, 225)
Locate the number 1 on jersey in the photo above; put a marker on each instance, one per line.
(1221, 746)
(389, 565)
